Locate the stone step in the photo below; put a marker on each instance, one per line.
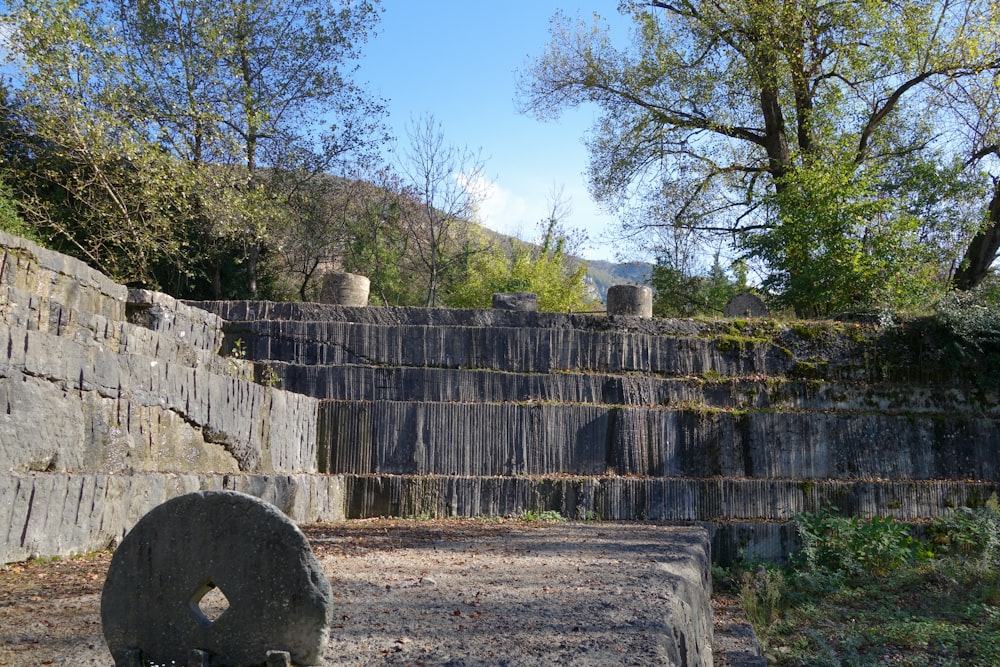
(615, 498)
(62, 513)
(402, 383)
(175, 320)
(412, 438)
(509, 341)
(515, 349)
(748, 519)
(47, 292)
(242, 312)
(67, 513)
(36, 283)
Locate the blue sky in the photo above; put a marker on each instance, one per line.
(457, 60)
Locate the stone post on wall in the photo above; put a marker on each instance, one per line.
(630, 300)
(345, 289)
(520, 301)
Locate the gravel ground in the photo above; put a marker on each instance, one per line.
(455, 592)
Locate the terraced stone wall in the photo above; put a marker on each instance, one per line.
(740, 424)
(112, 401)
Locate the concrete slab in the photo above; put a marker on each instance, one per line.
(477, 593)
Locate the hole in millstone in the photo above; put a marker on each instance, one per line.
(208, 603)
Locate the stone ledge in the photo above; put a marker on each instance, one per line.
(61, 514)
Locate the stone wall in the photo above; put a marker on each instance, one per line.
(541, 438)
(114, 400)
(740, 424)
(100, 383)
(62, 513)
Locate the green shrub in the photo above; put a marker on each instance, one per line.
(10, 219)
(969, 532)
(856, 546)
(762, 592)
(542, 515)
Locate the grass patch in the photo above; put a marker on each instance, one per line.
(548, 516)
(867, 591)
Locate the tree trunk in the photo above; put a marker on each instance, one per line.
(252, 258)
(982, 250)
(216, 279)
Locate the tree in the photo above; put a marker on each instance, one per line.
(677, 293)
(546, 268)
(380, 244)
(234, 94)
(85, 175)
(975, 102)
(10, 219)
(350, 223)
(449, 185)
(248, 83)
(720, 109)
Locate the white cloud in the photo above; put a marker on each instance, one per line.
(505, 212)
(519, 213)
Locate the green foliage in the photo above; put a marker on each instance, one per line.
(161, 141)
(676, 294)
(960, 341)
(85, 174)
(747, 123)
(842, 601)
(545, 516)
(762, 593)
(545, 270)
(969, 532)
(839, 246)
(856, 546)
(10, 219)
(972, 320)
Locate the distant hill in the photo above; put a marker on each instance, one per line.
(601, 275)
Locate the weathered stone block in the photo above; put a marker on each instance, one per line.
(518, 301)
(345, 289)
(61, 514)
(278, 596)
(746, 305)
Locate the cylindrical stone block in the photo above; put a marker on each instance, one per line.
(523, 301)
(631, 300)
(345, 289)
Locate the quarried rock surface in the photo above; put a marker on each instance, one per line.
(84, 389)
(61, 514)
(741, 423)
(714, 421)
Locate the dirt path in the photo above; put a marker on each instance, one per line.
(455, 592)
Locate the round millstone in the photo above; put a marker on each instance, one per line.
(278, 597)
